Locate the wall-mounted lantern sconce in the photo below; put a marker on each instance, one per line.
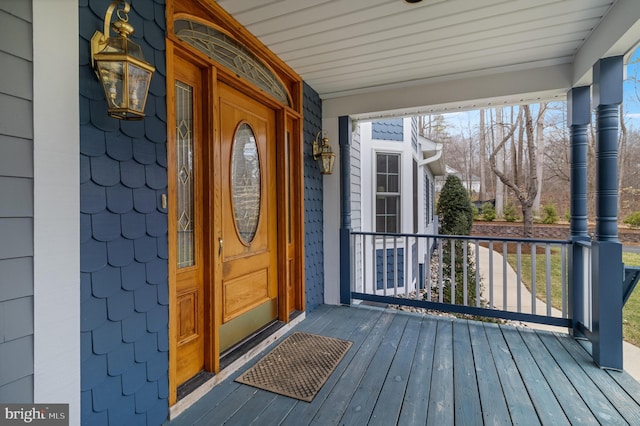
(322, 153)
(120, 66)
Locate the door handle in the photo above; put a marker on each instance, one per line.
(219, 246)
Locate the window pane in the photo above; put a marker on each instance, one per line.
(393, 163)
(184, 179)
(381, 163)
(381, 183)
(392, 206)
(392, 224)
(393, 183)
(245, 182)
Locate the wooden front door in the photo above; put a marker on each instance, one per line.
(222, 206)
(235, 196)
(247, 273)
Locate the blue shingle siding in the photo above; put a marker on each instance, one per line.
(392, 273)
(313, 223)
(124, 307)
(389, 130)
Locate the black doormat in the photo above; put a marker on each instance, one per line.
(297, 367)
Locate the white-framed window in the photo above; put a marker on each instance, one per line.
(387, 192)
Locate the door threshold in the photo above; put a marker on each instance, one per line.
(205, 383)
(239, 349)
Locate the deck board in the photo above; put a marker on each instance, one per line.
(574, 407)
(614, 393)
(416, 398)
(441, 410)
(339, 399)
(544, 401)
(466, 396)
(410, 369)
(366, 395)
(589, 392)
(521, 408)
(489, 386)
(389, 402)
(303, 413)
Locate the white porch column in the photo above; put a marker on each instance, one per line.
(56, 190)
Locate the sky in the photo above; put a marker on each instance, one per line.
(461, 120)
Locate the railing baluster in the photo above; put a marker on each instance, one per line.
(452, 287)
(364, 265)
(375, 266)
(406, 263)
(440, 272)
(427, 284)
(504, 275)
(384, 266)
(547, 255)
(519, 275)
(478, 273)
(563, 251)
(464, 264)
(491, 274)
(395, 266)
(534, 269)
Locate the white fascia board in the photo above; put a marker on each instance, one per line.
(617, 34)
(466, 93)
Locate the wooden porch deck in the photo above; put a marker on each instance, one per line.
(411, 369)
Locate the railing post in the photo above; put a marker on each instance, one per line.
(607, 250)
(579, 117)
(346, 252)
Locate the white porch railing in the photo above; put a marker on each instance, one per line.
(517, 279)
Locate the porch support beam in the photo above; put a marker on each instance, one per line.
(344, 140)
(579, 117)
(607, 274)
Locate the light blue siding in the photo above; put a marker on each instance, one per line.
(16, 208)
(17, 156)
(20, 192)
(16, 278)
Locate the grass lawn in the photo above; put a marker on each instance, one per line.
(630, 313)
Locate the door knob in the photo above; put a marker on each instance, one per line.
(219, 246)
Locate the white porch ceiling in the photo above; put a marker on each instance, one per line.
(349, 50)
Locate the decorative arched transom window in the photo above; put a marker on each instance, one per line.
(228, 52)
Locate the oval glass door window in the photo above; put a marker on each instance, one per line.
(245, 182)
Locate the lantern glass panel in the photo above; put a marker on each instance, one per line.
(112, 75)
(138, 87)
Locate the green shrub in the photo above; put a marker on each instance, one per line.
(633, 220)
(549, 215)
(454, 208)
(455, 211)
(510, 214)
(488, 212)
(475, 211)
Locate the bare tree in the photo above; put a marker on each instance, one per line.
(622, 153)
(539, 154)
(498, 167)
(483, 156)
(526, 191)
